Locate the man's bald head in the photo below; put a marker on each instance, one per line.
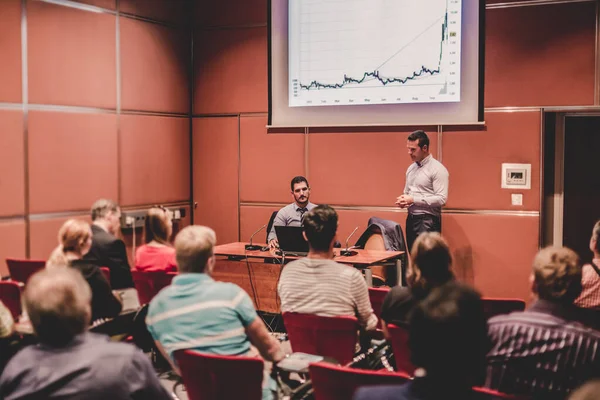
(58, 303)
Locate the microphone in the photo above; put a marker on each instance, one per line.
(251, 247)
(347, 252)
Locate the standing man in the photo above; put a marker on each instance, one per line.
(107, 249)
(292, 214)
(425, 191)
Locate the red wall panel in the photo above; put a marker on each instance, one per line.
(215, 166)
(493, 252)
(230, 12)
(44, 234)
(230, 71)
(71, 56)
(109, 4)
(540, 55)
(268, 161)
(252, 218)
(72, 160)
(12, 164)
(10, 51)
(474, 160)
(359, 168)
(173, 11)
(12, 244)
(155, 159)
(155, 61)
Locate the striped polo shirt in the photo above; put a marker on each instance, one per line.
(325, 288)
(198, 313)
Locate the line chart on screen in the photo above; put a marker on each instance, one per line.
(357, 52)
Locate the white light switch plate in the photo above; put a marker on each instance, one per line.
(516, 199)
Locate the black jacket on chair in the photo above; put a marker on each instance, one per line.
(109, 251)
(393, 237)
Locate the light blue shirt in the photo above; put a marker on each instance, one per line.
(198, 313)
(427, 183)
(290, 215)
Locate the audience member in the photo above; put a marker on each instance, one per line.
(545, 351)
(156, 254)
(292, 214)
(589, 391)
(317, 284)
(448, 342)
(107, 250)
(70, 363)
(431, 267)
(6, 322)
(590, 281)
(198, 313)
(75, 240)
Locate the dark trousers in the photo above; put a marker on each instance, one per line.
(417, 224)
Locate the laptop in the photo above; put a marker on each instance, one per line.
(291, 241)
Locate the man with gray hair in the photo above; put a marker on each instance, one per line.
(107, 249)
(201, 314)
(69, 362)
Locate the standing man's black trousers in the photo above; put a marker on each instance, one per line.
(417, 224)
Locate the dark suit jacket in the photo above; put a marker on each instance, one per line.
(104, 303)
(109, 251)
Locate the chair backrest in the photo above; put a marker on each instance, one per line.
(149, 283)
(333, 337)
(497, 306)
(160, 279)
(143, 286)
(215, 377)
(488, 394)
(376, 296)
(21, 270)
(10, 295)
(106, 273)
(332, 382)
(400, 347)
(270, 224)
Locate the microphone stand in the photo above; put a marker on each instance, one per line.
(251, 247)
(347, 252)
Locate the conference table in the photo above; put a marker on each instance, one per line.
(258, 272)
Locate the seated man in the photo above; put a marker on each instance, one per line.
(431, 267)
(448, 343)
(195, 312)
(317, 284)
(107, 250)
(590, 294)
(544, 351)
(70, 362)
(292, 214)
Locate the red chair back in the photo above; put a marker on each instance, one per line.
(160, 279)
(213, 377)
(10, 295)
(401, 351)
(143, 286)
(496, 306)
(332, 382)
(333, 337)
(106, 273)
(377, 295)
(488, 394)
(21, 270)
(149, 283)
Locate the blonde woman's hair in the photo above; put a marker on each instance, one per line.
(72, 237)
